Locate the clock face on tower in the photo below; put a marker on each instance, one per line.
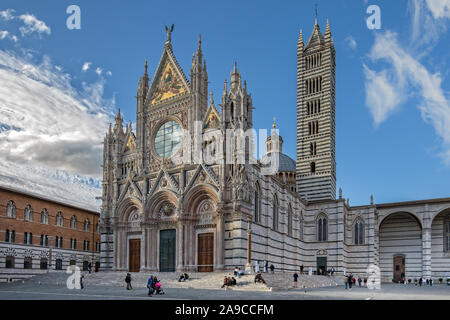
(168, 139)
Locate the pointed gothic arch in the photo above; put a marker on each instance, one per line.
(322, 227)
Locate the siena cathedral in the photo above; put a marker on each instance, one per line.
(162, 214)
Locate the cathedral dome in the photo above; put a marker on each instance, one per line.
(285, 163)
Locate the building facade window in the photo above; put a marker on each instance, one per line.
(322, 229)
(28, 263)
(358, 233)
(11, 209)
(58, 264)
(44, 240)
(59, 219)
(300, 226)
(275, 214)
(257, 204)
(9, 262)
(43, 264)
(313, 167)
(7, 235)
(87, 225)
(289, 222)
(44, 216)
(73, 222)
(28, 216)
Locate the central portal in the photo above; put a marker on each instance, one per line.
(167, 250)
(206, 252)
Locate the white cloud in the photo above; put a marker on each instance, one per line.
(3, 34)
(382, 95)
(99, 71)
(351, 42)
(33, 24)
(7, 14)
(406, 77)
(439, 8)
(86, 66)
(109, 73)
(45, 121)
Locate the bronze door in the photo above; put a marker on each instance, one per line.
(206, 252)
(399, 268)
(167, 250)
(135, 255)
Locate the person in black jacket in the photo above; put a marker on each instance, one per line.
(128, 281)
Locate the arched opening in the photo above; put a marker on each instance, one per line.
(400, 235)
(43, 263)
(275, 213)
(440, 244)
(58, 264)
(289, 222)
(27, 263)
(322, 228)
(358, 232)
(9, 262)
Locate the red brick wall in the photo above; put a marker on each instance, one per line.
(20, 226)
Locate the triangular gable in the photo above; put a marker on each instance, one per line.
(163, 182)
(130, 144)
(169, 81)
(316, 37)
(212, 118)
(131, 189)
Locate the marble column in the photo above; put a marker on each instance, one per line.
(180, 247)
(426, 252)
(220, 232)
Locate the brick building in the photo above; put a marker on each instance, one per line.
(39, 233)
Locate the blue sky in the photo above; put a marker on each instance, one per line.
(393, 110)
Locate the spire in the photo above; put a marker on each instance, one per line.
(146, 66)
(211, 98)
(235, 77)
(300, 37)
(328, 37)
(225, 87)
(199, 43)
(118, 125)
(274, 125)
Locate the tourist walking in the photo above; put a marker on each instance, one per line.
(346, 282)
(272, 268)
(256, 266)
(359, 281)
(81, 281)
(295, 280)
(266, 265)
(350, 281)
(332, 271)
(150, 286)
(128, 281)
(420, 282)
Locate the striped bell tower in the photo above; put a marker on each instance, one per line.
(316, 162)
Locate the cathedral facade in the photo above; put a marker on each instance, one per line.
(164, 210)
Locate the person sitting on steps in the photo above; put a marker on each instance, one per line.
(259, 278)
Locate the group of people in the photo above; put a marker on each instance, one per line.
(183, 277)
(153, 284)
(428, 282)
(350, 281)
(229, 282)
(238, 272)
(265, 266)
